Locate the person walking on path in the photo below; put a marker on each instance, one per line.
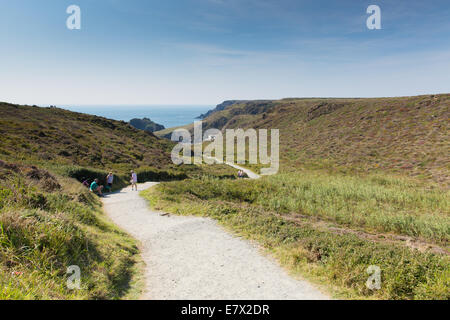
(133, 180)
(109, 181)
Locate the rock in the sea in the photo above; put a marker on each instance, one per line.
(146, 124)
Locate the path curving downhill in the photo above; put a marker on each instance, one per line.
(250, 173)
(193, 258)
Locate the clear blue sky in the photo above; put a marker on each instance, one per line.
(206, 51)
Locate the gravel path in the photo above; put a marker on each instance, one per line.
(249, 173)
(194, 258)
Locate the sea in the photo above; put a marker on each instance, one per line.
(169, 115)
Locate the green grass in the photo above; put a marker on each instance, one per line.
(44, 232)
(320, 202)
(374, 203)
(342, 197)
(49, 221)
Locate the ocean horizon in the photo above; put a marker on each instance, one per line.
(167, 115)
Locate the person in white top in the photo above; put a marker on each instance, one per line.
(109, 181)
(133, 180)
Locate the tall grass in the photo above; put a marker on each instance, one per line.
(43, 233)
(338, 260)
(374, 202)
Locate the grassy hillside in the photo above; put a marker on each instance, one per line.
(49, 221)
(398, 135)
(167, 133)
(331, 227)
(362, 182)
(52, 135)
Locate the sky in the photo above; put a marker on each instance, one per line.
(206, 51)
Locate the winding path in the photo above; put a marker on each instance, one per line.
(194, 258)
(249, 173)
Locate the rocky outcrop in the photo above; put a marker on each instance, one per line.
(221, 107)
(146, 124)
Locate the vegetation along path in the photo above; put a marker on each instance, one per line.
(249, 172)
(194, 258)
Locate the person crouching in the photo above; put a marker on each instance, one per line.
(96, 188)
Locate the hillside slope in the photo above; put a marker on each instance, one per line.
(408, 135)
(357, 188)
(43, 135)
(50, 221)
(222, 106)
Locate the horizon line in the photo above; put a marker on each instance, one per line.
(61, 105)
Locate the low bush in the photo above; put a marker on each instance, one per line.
(80, 173)
(121, 180)
(151, 174)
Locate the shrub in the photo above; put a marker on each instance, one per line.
(152, 174)
(80, 173)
